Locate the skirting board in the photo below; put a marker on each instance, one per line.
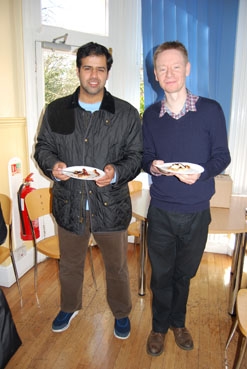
(220, 244)
(218, 248)
(24, 262)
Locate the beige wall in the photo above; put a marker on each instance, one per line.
(13, 140)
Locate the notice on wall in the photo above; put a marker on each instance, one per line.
(15, 181)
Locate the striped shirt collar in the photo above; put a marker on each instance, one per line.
(190, 105)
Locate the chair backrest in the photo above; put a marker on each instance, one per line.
(242, 311)
(6, 205)
(135, 186)
(38, 203)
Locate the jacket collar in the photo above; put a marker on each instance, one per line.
(107, 103)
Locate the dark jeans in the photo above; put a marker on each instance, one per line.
(175, 245)
(73, 250)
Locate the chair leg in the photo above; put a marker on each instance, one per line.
(36, 276)
(241, 354)
(16, 277)
(232, 333)
(233, 330)
(92, 266)
(136, 240)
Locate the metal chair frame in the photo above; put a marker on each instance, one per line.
(241, 323)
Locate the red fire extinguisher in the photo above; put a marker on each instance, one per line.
(26, 232)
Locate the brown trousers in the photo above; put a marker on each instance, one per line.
(73, 251)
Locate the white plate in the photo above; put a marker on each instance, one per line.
(193, 168)
(92, 175)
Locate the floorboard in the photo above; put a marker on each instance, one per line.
(89, 343)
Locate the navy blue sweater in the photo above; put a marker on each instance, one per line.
(198, 137)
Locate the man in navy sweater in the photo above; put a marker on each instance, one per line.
(181, 128)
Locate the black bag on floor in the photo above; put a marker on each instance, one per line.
(9, 338)
(3, 228)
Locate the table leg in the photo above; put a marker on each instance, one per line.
(237, 270)
(236, 250)
(143, 259)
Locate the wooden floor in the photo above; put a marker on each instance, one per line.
(89, 342)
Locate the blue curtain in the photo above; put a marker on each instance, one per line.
(208, 30)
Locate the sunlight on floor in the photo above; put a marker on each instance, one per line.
(245, 265)
(227, 275)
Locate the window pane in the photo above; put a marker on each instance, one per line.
(59, 75)
(77, 15)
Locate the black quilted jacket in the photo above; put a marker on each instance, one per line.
(111, 135)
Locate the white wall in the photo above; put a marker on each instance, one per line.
(12, 89)
(238, 126)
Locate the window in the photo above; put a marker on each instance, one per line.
(74, 15)
(60, 77)
(44, 64)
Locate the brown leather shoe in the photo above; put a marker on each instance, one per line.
(183, 338)
(155, 343)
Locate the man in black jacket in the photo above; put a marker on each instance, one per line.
(92, 128)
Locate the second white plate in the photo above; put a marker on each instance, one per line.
(192, 168)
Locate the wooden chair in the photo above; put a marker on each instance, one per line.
(241, 323)
(39, 204)
(5, 252)
(134, 228)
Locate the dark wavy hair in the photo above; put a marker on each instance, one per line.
(92, 48)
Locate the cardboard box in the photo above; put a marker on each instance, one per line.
(223, 192)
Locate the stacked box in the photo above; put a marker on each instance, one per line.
(223, 191)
